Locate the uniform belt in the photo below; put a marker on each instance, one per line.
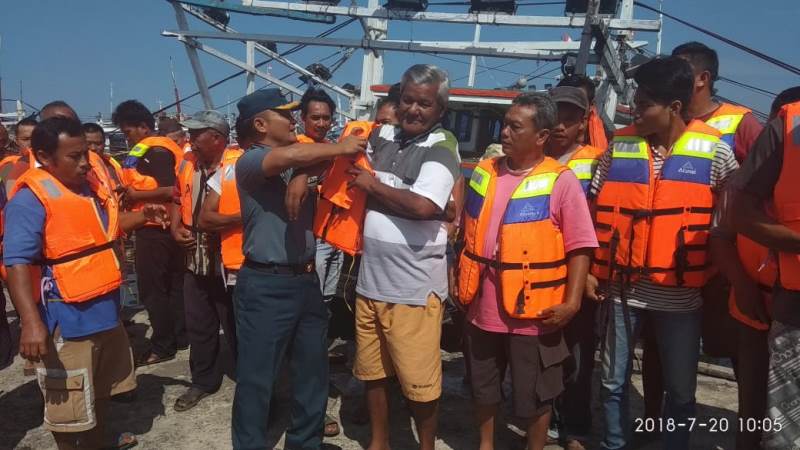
(280, 269)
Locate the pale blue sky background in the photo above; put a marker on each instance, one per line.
(73, 50)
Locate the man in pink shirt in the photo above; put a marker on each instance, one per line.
(529, 235)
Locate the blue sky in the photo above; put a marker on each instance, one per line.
(74, 50)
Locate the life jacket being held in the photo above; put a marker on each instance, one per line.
(656, 227)
(726, 120)
(786, 194)
(583, 164)
(131, 176)
(231, 238)
(339, 218)
(77, 247)
(530, 259)
(596, 130)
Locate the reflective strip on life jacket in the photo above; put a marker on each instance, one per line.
(786, 194)
(583, 164)
(657, 227)
(76, 244)
(726, 120)
(530, 260)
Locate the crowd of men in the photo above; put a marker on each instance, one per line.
(568, 239)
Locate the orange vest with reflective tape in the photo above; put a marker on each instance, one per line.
(530, 259)
(583, 164)
(185, 182)
(596, 130)
(726, 120)
(339, 218)
(131, 176)
(76, 245)
(786, 194)
(231, 238)
(303, 139)
(656, 227)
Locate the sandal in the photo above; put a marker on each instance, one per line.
(189, 399)
(151, 358)
(125, 441)
(331, 427)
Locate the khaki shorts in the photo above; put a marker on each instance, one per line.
(400, 340)
(76, 373)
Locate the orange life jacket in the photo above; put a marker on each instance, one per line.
(132, 177)
(231, 238)
(726, 119)
(185, 182)
(114, 170)
(11, 166)
(339, 218)
(76, 245)
(755, 260)
(786, 194)
(583, 164)
(657, 227)
(530, 260)
(596, 130)
(303, 139)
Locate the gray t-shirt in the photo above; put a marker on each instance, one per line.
(269, 237)
(403, 259)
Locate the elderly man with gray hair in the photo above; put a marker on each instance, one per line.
(403, 275)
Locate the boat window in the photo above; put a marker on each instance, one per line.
(495, 128)
(463, 126)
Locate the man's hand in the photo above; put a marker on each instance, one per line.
(33, 340)
(296, 193)
(592, 289)
(361, 178)
(184, 238)
(156, 213)
(351, 145)
(750, 300)
(559, 315)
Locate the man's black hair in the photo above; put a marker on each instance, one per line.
(26, 122)
(580, 81)
(244, 129)
(383, 101)
(394, 93)
(45, 135)
(665, 80)
(56, 104)
(133, 112)
(91, 127)
(701, 57)
(786, 96)
(315, 94)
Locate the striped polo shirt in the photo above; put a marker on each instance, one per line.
(403, 260)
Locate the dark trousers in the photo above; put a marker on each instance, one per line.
(208, 305)
(160, 264)
(6, 346)
(275, 312)
(752, 370)
(572, 409)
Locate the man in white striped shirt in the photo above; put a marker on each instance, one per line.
(653, 194)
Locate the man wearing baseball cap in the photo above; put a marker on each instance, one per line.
(207, 304)
(278, 303)
(564, 145)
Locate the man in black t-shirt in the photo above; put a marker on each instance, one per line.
(149, 172)
(761, 179)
